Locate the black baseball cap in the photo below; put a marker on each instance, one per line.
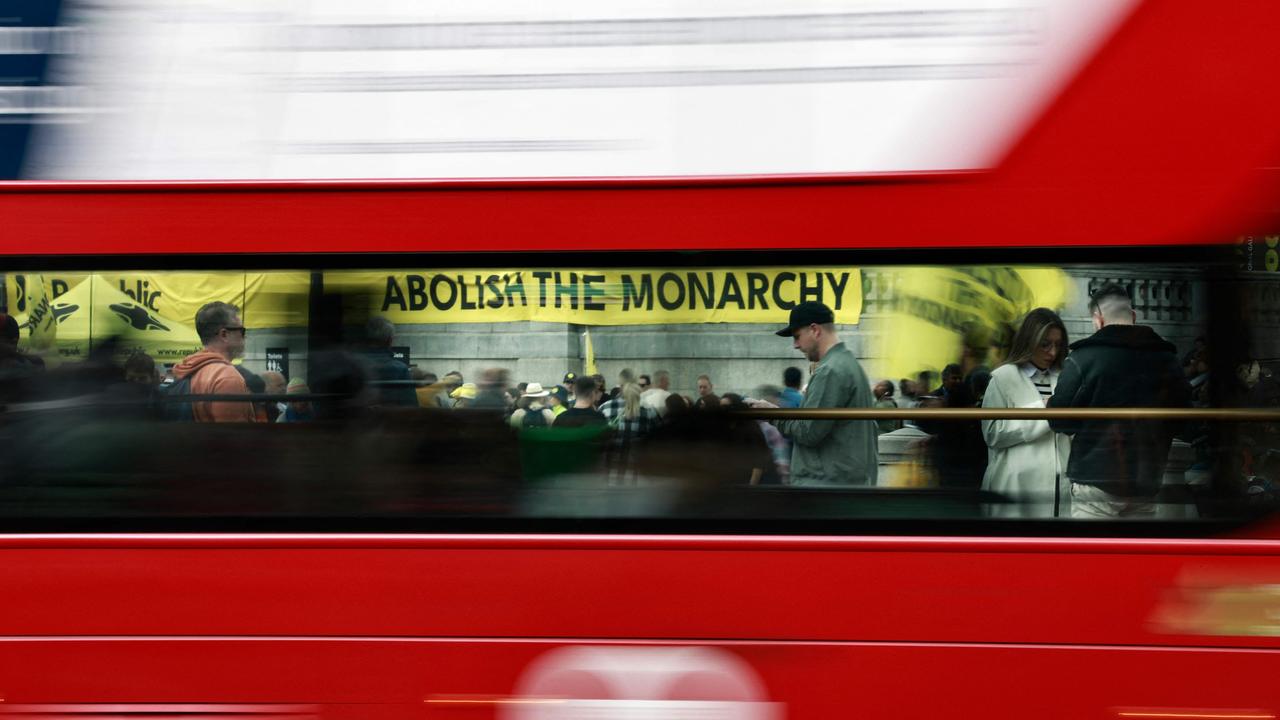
(806, 314)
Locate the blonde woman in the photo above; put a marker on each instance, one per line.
(630, 422)
(1025, 459)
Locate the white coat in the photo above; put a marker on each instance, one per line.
(1026, 461)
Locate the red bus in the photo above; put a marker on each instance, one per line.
(422, 562)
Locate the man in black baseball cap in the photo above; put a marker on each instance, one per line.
(829, 452)
(805, 314)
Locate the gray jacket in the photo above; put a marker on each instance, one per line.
(834, 452)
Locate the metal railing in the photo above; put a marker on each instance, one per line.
(1132, 413)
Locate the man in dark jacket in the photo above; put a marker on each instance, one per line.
(1116, 466)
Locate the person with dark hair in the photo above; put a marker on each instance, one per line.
(829, 452)
(391, 375)
(1026, 460)
(140, 369)
(952, 378)
(586, 395)
(883, 392)
(603, 395)
(1116, 466)
(710, 401)
(558, 400)
(791, 397)
(752, 435)
(210, 369)
(908, 393)
(275, 384)
(138, 396)
(956, 450)
(676, 405)
(978, 380)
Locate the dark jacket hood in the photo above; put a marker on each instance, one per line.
(1132, 337)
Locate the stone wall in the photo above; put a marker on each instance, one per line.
(741, 357)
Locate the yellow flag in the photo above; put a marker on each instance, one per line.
(589, 365)
(967, 315)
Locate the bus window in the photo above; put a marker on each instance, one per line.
(446, 392)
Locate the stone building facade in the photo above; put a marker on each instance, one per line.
(741, 357)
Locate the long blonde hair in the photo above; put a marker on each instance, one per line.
(1034, 327)
(630, 400)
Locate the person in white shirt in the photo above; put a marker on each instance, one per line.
(1026, 461)
(655, 397)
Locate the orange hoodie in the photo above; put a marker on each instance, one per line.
(211, 374)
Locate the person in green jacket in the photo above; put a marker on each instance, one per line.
(829, 452)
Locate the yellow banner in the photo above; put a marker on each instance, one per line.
(266, 299)
(42, 329)
(601, 297)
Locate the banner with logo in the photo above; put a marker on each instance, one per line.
(40, 328)
(600, 296)
(266, 299)
(95, 311)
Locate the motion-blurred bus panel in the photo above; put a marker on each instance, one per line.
(818, 362)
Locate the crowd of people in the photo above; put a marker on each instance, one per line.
(1047, 467)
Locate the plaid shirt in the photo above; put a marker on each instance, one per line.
(627, 432)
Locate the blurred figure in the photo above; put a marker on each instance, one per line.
(791, 381)
(1199, 347)
(257, 386)
(956, 451)
(534, 413)
(644, 382)
(1026, 460)
(883, 392)
(602, 396)
(979, 380)
(908, 393)
(15, 366)
(631, 422)
(390, 375)
(423, 382)
(752, 435)
(140, 369)
(463, 395)
(1116, 466)
(924, 380)
(655, 397)
(275, 385)
(766, 396)
(138, 396)
(612, 405)
(210, 370)
(829, 452)
(707, 402)
(558, 400)
(491, 390)
(705, 387)
(677, 406)
(297, 411)
(438, 394)
(952, 378)
(586, 393)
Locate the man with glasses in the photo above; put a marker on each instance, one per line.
(210, 369)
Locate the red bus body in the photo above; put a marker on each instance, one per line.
(1149, 147)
